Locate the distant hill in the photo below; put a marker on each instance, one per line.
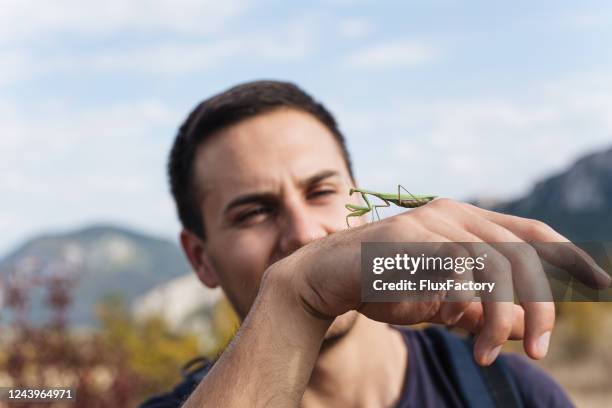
(576, 202)
(107, 260)
(184, 302)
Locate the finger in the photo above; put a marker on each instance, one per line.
(539, 322)
(457, 301)
(576, 261)
(529, 282)
(498, 317)
(476, 247)
(565, 255)
(452, 311)
(525, 228)
(498, 314)
(473, 320)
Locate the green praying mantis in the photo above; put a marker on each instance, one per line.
(403, 200)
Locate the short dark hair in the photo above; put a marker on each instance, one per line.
(225, 109)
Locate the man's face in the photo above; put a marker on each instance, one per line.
(268, 185)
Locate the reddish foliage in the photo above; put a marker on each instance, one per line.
(49, 355)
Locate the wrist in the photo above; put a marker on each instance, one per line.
(283, 286)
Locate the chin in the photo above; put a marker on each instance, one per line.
(341, 326)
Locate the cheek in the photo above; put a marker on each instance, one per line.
(240, 261)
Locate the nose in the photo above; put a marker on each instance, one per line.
(299, 227)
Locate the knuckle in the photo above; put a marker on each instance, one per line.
(398, 226)
(526, 255)
(538, 229)
(501, 265)
(468, 205)
(546, 309)
(503, 326)
(457, 250)
(442, 203)
(530, 252)
(400, 221)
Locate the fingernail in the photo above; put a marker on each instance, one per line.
(542, 344)
(456, 319)
(446, 314)
(492, 355)
(606, 278)
(603, 277)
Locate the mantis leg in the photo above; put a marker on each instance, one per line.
(370, 206)
(357, 211)
(399, 196)
(386, 204)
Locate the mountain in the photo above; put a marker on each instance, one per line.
(576, 202)
(103, 260)
(184, 302)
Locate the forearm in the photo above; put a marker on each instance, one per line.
(271, 358)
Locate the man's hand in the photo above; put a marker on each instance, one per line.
(325, 275)
(301, 294)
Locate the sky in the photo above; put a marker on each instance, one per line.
(458, 99)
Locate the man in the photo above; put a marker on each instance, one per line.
(261, 174)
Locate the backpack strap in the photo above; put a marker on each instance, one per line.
(491, 386)
(193, 372)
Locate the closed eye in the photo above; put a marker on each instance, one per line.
(252, 215)
(320, 193)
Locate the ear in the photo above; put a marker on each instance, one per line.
(200, 261)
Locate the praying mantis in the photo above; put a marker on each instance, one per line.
(403, 200)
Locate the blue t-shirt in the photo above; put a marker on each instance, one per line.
(429, 381)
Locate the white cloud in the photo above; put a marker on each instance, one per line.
(54, 129)
(168, 57)
(63, 165)
(30, 19)
(392, 55)
(493, 147)
(587, 20)
(42, 38)
(174, 58)
(355, 27)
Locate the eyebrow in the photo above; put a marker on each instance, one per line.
(264, 197)
(322, 175)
